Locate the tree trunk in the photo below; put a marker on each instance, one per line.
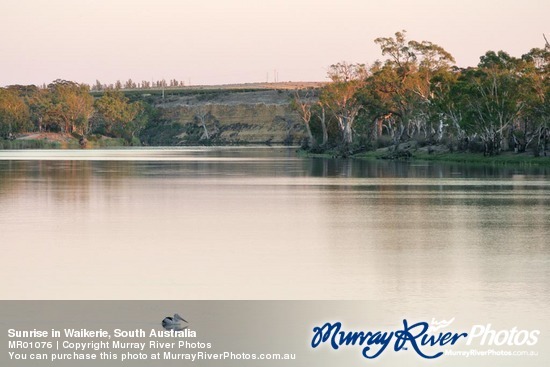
(202, 118)
(348, 138)
(310, 136)
(324, 126)
(205, 129)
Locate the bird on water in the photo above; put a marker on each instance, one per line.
(173, 322)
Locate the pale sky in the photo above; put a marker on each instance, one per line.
(238, 41)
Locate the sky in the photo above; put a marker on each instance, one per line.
(244, 41)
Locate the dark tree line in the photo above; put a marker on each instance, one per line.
(144, 84)
(417, 93)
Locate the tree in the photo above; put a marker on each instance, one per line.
(340, 96)
(117, 117)
(534, 124)
(321, 113)
(130, 84)
(448, 105)
(97, 86)
(71, 108)
(14, 113)
(404, 83)
(202, 115)
(494, 98)
(40, 102)
(303, 105)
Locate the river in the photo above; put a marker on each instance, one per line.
(263, 223)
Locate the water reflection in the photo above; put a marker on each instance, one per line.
(263, 223)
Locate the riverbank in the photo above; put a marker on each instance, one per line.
(46, 140)
(467, 157)
(67, 141)
(505, 158)
(478, 158)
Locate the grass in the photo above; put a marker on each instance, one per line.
(478, 158)
(507, 158)
(305, 154)
(71, 144)
(29, 144)
(106, 143)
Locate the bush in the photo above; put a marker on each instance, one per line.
(28, 144)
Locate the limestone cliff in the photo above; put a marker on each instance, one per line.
(232, 117)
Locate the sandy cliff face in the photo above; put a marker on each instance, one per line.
(234, 117)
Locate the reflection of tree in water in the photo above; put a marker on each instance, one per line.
(76, 181)
(356, 168)
(10, 175)
(66, 181)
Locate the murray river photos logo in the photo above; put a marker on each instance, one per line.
(426, 339)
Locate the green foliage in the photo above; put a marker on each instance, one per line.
(71, 107)
(28, 144)
(68, 107)
(158, 133)
(417, 94)
(14, 113)
(116, 117)
(341, 96)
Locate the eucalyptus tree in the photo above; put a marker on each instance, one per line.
(448, 107)
(202, 114)
(303, 104)
(116, 116)
(403, 82)
(71, 107)
(40, 102)
(534, 125)
(493, 99)
(321, 113)
(14, 113)
(340, 96)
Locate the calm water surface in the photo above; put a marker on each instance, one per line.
(261, 223)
